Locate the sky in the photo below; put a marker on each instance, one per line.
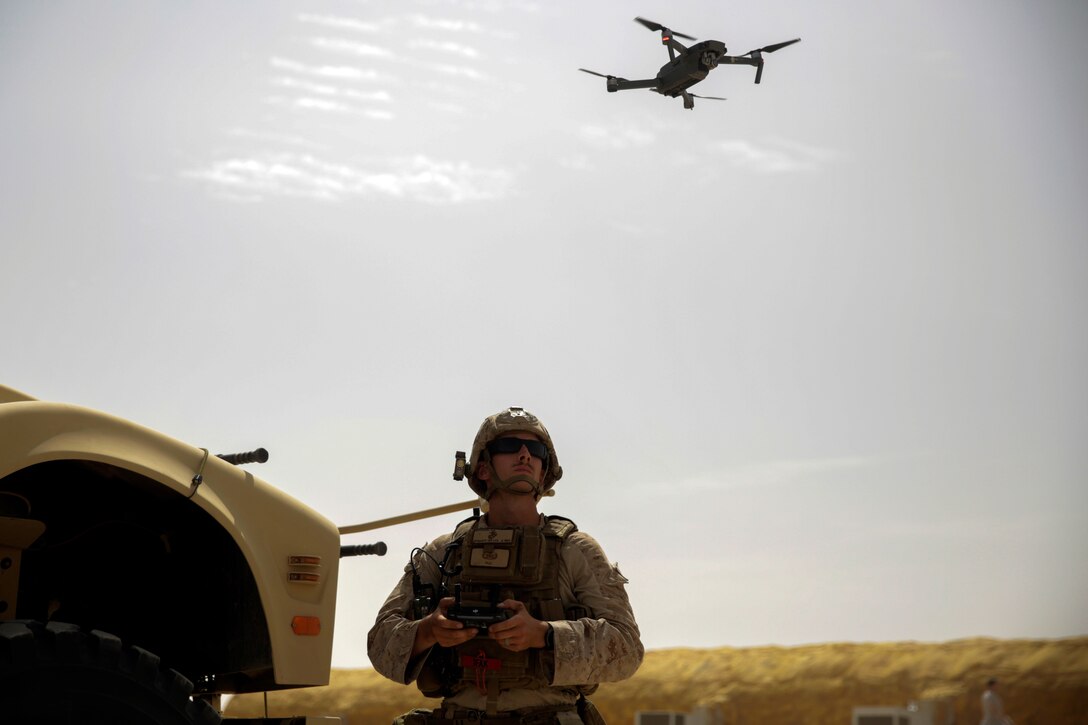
(812, 357)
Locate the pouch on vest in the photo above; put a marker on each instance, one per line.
(508, 555)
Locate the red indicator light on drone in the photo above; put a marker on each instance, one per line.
(665, 38)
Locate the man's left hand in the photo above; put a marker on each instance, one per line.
(521, 631)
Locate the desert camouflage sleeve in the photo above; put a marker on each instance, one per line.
(606, 646)
(389, 643)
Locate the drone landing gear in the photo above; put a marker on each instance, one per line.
(689, 100)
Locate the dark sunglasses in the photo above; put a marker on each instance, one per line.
(513, 445)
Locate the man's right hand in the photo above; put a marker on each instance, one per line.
(438, 629)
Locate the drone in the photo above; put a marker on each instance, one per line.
(689, 65)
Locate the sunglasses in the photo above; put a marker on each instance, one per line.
(513, 445)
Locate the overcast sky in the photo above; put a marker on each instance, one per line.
(813, 357)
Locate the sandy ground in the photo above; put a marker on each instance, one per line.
(1043, 682)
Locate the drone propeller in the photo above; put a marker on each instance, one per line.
(664, 31)
(772, 48)
(595, 73)
(757, 54)
(694, 95)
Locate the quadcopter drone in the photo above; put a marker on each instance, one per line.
(688, 66)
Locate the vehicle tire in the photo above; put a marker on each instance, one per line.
(59, 674)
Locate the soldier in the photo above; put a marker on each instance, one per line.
(530, 615)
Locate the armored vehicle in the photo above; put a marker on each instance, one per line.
(141, 578)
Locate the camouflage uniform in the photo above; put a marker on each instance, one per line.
(602, 647)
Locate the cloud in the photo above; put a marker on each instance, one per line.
(450, 25)
(327, 71)
(321, 104)
(277, 138)
(342, 23)
(326, 105)
(445, 47)
(350, 47)
(417, 178)
(327, 90)
(380, 96)
(318, 88)
(453, 26)
(497, 6)
(615, 138)
(775, 156)
(306, 86)
(420, 54)
(458, 70)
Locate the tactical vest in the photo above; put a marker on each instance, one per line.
(497, 563)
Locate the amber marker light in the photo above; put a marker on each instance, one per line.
(301, 560)
(307, 563)
(306, 626)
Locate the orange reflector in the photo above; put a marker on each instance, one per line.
(306, 577)
(306, 626)
(300, 560)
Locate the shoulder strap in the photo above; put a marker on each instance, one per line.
(463, 528)
(559, 527)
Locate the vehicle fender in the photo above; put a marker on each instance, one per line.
(266, 524)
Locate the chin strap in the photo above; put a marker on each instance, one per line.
(495, 483)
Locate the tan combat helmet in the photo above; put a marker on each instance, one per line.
(509, 421)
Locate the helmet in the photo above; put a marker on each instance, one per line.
(509, 421)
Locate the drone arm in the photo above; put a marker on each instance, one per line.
(623, 84)
(737, 60)
(756, 61)
(755, 57)
(674, 45)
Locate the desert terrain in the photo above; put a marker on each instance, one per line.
(1043, 682)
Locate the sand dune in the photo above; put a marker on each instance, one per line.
(1044, 682)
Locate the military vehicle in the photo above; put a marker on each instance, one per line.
(142, 578)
